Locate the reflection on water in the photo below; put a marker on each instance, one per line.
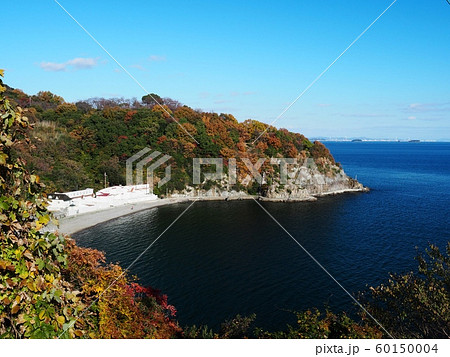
(225, 258)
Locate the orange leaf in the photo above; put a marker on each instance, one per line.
(6, 300)
(15, 309)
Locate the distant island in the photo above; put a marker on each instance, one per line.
(52, 288)
(359, 139)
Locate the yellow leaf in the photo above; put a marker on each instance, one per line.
(41, 315)
(60, 319)
(3, 157)
(2, 72)
(44, 219)
(31, 286)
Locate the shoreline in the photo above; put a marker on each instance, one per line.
(77, 223)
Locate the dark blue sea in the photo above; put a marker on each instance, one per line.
(226, 258)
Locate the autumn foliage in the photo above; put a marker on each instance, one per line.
(415, 304)
(119, 307)
(73, 144)
(50, 287)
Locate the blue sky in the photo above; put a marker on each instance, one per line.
(247, 58)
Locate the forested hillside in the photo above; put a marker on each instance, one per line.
(51, 288)
(74, 144)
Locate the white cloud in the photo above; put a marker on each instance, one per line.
(82, 63)
(412, 118)
(138, 66)
(74, 64)
(364, 115)
(157, 58)
(53, 66)
(428, 107)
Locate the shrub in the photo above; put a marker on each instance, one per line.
(415, 305)
(49, 287)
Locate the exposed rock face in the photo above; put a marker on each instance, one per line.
(304, 182)
(308, 180)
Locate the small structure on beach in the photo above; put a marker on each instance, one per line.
(73, 203)
(88, 192)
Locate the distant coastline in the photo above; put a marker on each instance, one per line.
(356, 139)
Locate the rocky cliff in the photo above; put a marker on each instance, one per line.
(304, 181)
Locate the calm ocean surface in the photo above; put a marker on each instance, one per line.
(226, 258)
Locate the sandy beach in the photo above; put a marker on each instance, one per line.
(70, 225)
(75, 223)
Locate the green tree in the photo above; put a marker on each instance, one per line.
(314, 324)
(36, 301)
(415, 305)
(49, 287)
(152, 99)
